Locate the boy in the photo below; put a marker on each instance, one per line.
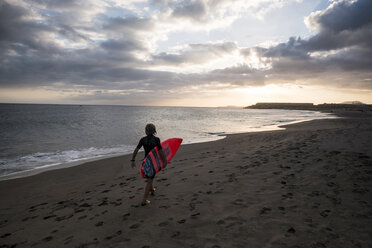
(149, 142)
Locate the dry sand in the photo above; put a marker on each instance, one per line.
(306, 186)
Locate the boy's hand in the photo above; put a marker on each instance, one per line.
(133, 164)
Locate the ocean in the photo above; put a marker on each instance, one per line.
(36, 136)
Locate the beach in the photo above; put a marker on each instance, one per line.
(308, 185)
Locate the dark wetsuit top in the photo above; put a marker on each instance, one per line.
(149, 142)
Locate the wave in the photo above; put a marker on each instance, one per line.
(49, 159)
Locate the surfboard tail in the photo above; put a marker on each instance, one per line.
(170, 147)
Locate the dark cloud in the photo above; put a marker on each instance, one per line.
(71, 34)
(133, 24)
(342, 47)
(117, 45)
(194, 10)
(15, 32)
(238, 75)
(343, 15)
(57, 4)
(343, 24)
(31, 58)
(293, 48)
(195, 54)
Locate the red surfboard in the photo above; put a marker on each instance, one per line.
(153, 163)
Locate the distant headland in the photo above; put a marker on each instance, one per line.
(352, 105)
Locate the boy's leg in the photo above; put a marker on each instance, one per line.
(147, 191)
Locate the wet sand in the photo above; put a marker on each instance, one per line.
(306, 186)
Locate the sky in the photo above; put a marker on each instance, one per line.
(185, 52)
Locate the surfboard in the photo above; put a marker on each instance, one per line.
(153, 163)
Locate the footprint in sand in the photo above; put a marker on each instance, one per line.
(221, 222)
(287, 196)
(123, 184)
(181, 221)
(232, 221)
(164, 223)
(38, 205)
(325, 213)
(238, 202)
(115, 203)
(118, 233)
(175, 234)
(134, 226)
(191, 206)
(265, 210)
(49, 216)
(318, 245)
(103, 203)
(85, 205)
(232, 178)
(194, 216)
(125, 216)
(66, 217)
(4, 222)
(165, 207)
(314, 193)
(82, 217)
(99, 224)
(5, 235)
(47, 239)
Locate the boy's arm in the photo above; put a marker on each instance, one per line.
(133, 162)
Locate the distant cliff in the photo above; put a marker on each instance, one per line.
(311, 106)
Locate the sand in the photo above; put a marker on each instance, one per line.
(306, 186)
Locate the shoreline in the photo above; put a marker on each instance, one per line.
(45, 168)
(306, 186)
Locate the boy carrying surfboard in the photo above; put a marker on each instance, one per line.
(149, 142)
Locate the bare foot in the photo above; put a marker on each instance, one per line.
(146, 202)
(152, 192)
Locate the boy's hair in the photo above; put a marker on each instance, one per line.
(150, 129)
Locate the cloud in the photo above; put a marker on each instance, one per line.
(194, 54)
(119, 46)
(195, 10)
(16, 32)
(39, 52)
(202, 15)
(342, 47)
(135, 24)
(98, 46)
(342, 15)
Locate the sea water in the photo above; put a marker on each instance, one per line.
(39, 136)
